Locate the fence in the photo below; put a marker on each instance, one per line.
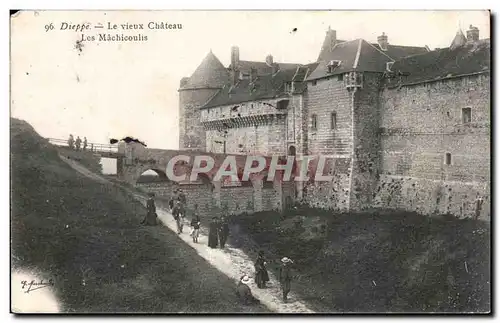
(94, 147)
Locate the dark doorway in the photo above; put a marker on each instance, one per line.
(292, 151)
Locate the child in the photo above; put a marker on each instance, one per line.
(195, 224)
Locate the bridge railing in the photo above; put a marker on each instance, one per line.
(91, 146)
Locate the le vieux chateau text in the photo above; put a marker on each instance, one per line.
(85, 28)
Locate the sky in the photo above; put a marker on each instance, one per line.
(113, 90)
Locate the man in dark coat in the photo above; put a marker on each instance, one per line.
(243, 292)
(285, 277)
(182, 197)
(479, 206)
(261, 275)
(171, 204)
(223, 231)
(151, 215)
(213, 233)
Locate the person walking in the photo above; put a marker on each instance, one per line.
(223, 231)
(151, 215)
(243, 292)
(84, 143)
(213, 233)
(195, 224)
(261, 275)
(171, 204)
(71, 142)
(479, 207)
(177, 216)
(78, 142)
(285, 277)
(182, 197)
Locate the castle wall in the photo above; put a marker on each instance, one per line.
(256, 128)
(296, 125)
(365, 167)
(192, 133)
(420, 124)
(268, 139)
(161, 189)
(327, 96)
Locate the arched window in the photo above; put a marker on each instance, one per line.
(292, 151)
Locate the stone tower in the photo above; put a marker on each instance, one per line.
(194, 92)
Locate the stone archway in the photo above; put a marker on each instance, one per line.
(292, 151)
(154, 180)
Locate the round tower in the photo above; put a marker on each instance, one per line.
(194, 93)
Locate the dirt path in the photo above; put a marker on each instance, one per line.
(231, 261)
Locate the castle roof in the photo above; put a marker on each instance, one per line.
(459, 40)
(355, 55)
(265, 86)
(262, 67)
(209, 74)
(470, 58)
(397, 52)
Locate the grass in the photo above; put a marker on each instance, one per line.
(87, 236)
(376, 262)
(86, 158)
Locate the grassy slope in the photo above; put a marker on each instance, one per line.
(65, 224)
(86, 158)
(377, 262)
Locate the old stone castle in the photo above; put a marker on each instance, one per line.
(408, 127)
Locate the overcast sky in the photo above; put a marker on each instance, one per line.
(111, 90)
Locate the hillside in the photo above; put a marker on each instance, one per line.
(384, 261)
(87, 237)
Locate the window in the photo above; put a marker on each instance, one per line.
(314, 83)
(283, 104)
(332, 65)
(340, 77)
(314, 122)
(447, 159)
(466, 115)
(333, 120)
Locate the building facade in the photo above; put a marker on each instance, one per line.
(404, 127)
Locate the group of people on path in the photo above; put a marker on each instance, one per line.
(217, 236)
(76, 144)
(243, 292)
(218, 232)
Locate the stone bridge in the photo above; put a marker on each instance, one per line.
(208, 192)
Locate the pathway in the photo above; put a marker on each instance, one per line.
(231, 261)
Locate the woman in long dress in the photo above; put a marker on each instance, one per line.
(261, 275)
(213, 233)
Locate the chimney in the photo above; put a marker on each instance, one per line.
(235, 57)
(269, 60)
(472, 34)
(332, 37)
(383, 41)
(235, 77)
(253, 74)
